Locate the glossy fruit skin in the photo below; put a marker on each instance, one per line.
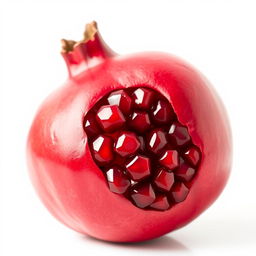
(69, 182)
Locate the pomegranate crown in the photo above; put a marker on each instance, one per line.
(90, 30)
(86, 53)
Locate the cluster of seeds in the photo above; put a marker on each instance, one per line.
(144, 152)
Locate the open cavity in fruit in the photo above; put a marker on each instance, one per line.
(144, 152)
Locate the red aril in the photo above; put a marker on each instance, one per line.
(161, 203)
(164, 180)
(143, 195)
(156, 140)
(128, 141)
(118, 182)
(127, 144)
(169, 159)
(139, 121)
(139, 167)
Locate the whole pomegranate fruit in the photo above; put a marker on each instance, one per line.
(130, 147)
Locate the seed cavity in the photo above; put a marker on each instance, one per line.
(145, 153)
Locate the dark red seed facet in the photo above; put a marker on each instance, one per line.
(192, 155)
(169, 159)
(143, 98)
(143, 195)
(90, 125)
(122, 100)
(164, 179)
(110, 118)
(163, 112)
(184, 172)
(160, 203)
(156, 140)
(178, 134)
(127, 144)
(139, 121)
(102, 149)
(179, 192)
(138, 167)
(142, 143)
(117, 181)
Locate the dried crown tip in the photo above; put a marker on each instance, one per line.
(67, 45)
(89, 33)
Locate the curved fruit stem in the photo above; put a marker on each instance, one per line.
(88, 52)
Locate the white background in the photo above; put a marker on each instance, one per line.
(218, 37)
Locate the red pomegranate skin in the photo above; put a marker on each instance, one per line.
(66, 177)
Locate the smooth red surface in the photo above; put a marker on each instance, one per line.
(66, 177)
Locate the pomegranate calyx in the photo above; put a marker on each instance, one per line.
(89, 34)
(67, 45)
(86, 53)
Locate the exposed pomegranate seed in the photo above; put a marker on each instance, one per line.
(117, 181)
(121, 99)
(110, 118)
(144, 154)
(138, 167)
(160, 203)
(102, 149)
(169, 159)
(184, 172)
(90, 125)
(156, 140)
(127, 144)
(143, 195)
(178, 134)
(164, 179)
(133, 182)
(139, 121)
(142, 143)
(143, 98)
(163, 112)
(179, 192)
(193, 155)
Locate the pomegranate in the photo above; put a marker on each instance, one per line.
(130, 147)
